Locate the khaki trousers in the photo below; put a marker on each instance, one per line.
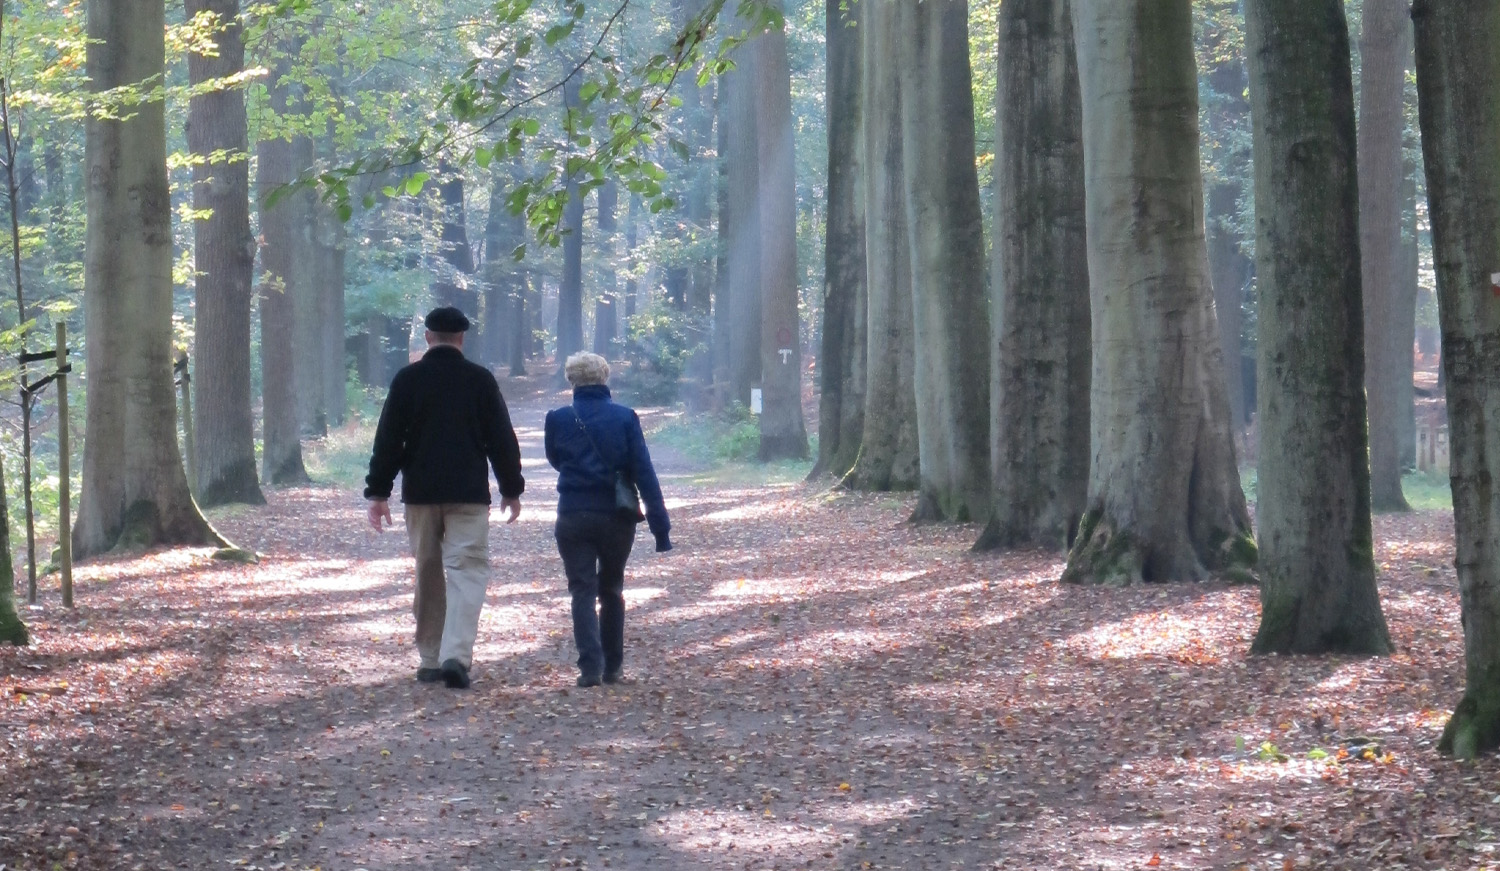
(451, 545)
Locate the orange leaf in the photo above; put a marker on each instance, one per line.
(1154, 860)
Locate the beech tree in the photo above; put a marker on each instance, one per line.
(1317, 564)
(1164, 497)
(946, 235)
(841, 361)
(887, 458)
(1458, 92)
(135, 491)
(281, 431)
(783, 433)
(224, 259)
(739, 222)
(1382, 48)
(1039, 299)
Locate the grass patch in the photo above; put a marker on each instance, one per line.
(1424, 491)
(1427, 491)
(343, 456)
(726, 444)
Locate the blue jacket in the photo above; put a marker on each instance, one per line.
(585, 480)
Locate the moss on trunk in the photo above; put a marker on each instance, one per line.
(1474, 727)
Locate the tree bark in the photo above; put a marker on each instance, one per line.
(947, 261)
(888, 457)
(1317, 565)
(741, 222)
(307, 297)
(1230, 269)
(281, 451)
(1458, 92)
(135, 492)
(1039, 390)
(330, 288)
(783, 433)
(224, 261)
(1164, 501)
(1382, 48)
(841, 361)
(606, 322)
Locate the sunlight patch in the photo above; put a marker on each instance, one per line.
(871, 812)
(740, 831)
(744, 512)
(1171, 633)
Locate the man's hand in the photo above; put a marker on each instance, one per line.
(513, 506)
(380, 508)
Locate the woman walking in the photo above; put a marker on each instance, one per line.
(590, 443)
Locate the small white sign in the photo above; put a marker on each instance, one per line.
(755, 400)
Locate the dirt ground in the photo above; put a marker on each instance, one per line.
(818, 685)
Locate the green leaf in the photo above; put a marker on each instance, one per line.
(558, 33)
(531, 126)
(346, 212)
(388, 190)
(414, 183)
(482, 157)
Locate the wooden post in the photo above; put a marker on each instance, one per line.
(189, 444)
(64, 483)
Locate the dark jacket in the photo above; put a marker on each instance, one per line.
(585, 480)
(443, 422)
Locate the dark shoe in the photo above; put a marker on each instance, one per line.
(615, 677)
(455, 675)
(589, 680)
(429, 675)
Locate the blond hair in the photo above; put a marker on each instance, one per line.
(584, 368)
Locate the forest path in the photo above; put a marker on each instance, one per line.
(819, 685)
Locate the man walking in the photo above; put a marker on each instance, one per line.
(443, 426)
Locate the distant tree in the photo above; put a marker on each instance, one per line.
(1316, 562)
(1164, 500)
(224, 260)
(135, 491)
(887, 457)
(1225, 115)
(740, 225)
(1458, 90)
(570, 288)
(606, 319)
(841, 360)
(1382, 78)
(783, 433)
(280, 226)
(1039, 298)
(946, 235)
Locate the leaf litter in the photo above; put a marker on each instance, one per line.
(817, 685)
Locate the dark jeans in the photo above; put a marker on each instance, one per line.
(594, 548)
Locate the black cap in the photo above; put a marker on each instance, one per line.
(447, 319)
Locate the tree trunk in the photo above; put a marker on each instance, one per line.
(1317, 567)
(1229, 269)
(305, 271)
(887, 457)
(455, 258)
(1458, 91)
(1039, 392)
(841, 361)
(135, 491)
(330, 287)
(742, 222)
(281, 451)
(1382, 49)
(1164, 501)
(698, 109)
(12, 629)
(224, 260)
(783, 434)
(1406, 325)
(606, 323)
(947, 261)
(495, 326)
